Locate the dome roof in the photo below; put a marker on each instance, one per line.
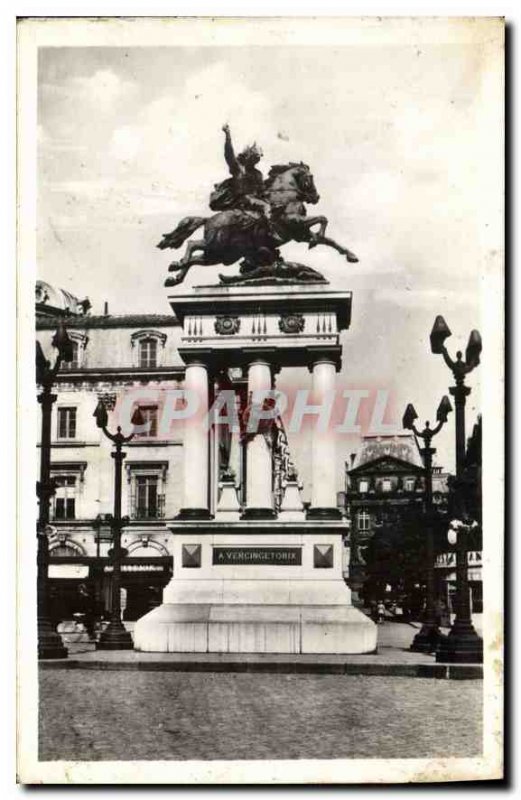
(401, 445)
(52, 300)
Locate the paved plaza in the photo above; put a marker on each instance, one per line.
(97, 715)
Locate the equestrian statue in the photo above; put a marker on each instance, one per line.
(254, 218)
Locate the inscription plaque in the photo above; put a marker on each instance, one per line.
(284, 556)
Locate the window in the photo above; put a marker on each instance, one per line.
(146, 495)
(363, 486)
(148, 503)
(148, 352)
(363, 521)
(150, 421)
(66, 423)
(79, 343)
(75, 363)
(64, 500)
(409, 484)
(387, 485)
(148, 346)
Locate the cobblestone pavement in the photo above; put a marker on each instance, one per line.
(95, 716)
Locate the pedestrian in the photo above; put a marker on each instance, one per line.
(86, 609)
(380, 612)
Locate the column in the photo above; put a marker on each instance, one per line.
(195, 447)
(259, 468)
(323, 461)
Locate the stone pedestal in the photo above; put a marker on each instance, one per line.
(256, 588)
(259, 579)
(292, 507)
(228, 508)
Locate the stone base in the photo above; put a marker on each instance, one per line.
(324, 513)
(259, 513)
(200, 628)
(194, 513)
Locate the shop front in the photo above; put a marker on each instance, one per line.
(82, 585)
(446, 564)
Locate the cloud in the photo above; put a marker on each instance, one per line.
(103, 88)
(126, 142)
(419, 298)
(181, 134)
(90, 189)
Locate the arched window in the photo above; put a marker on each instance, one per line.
(75, 363)
(149, 345)
(79, 343)
(63, 551)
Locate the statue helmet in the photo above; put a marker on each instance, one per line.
(252, 151)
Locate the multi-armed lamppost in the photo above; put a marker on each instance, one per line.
(428, 638)
(50, 644)
(115, 636)
(462, 643)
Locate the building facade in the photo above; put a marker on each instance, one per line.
(383, 477)
(386, 477)
(126, 361)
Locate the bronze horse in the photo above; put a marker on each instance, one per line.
(243, 233)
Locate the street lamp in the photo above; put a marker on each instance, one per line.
(115, 636)
(429, 636)
(50, 644)
(463, 643)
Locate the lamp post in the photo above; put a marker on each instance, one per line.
(115, 636)
(50, 644)
(463, 643)
(429, 636)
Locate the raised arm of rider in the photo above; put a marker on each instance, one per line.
(229, 154)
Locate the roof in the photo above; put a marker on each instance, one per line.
(45, 322)
(401, 446)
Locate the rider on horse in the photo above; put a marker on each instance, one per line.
(245, 189)
(253, 218)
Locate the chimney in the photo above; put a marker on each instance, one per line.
(352, 460)
(106, 309)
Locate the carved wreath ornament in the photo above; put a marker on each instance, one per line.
(227, 326)
(291, 323)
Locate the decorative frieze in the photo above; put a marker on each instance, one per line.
(226, 325)
(291, 323)
(108, 399)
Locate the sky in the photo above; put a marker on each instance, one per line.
(130, 141)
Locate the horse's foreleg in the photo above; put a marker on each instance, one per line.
(322, 221)
(342, 250)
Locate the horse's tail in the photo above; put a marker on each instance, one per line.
(185, 229)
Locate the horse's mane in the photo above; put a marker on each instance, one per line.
(278, 169)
